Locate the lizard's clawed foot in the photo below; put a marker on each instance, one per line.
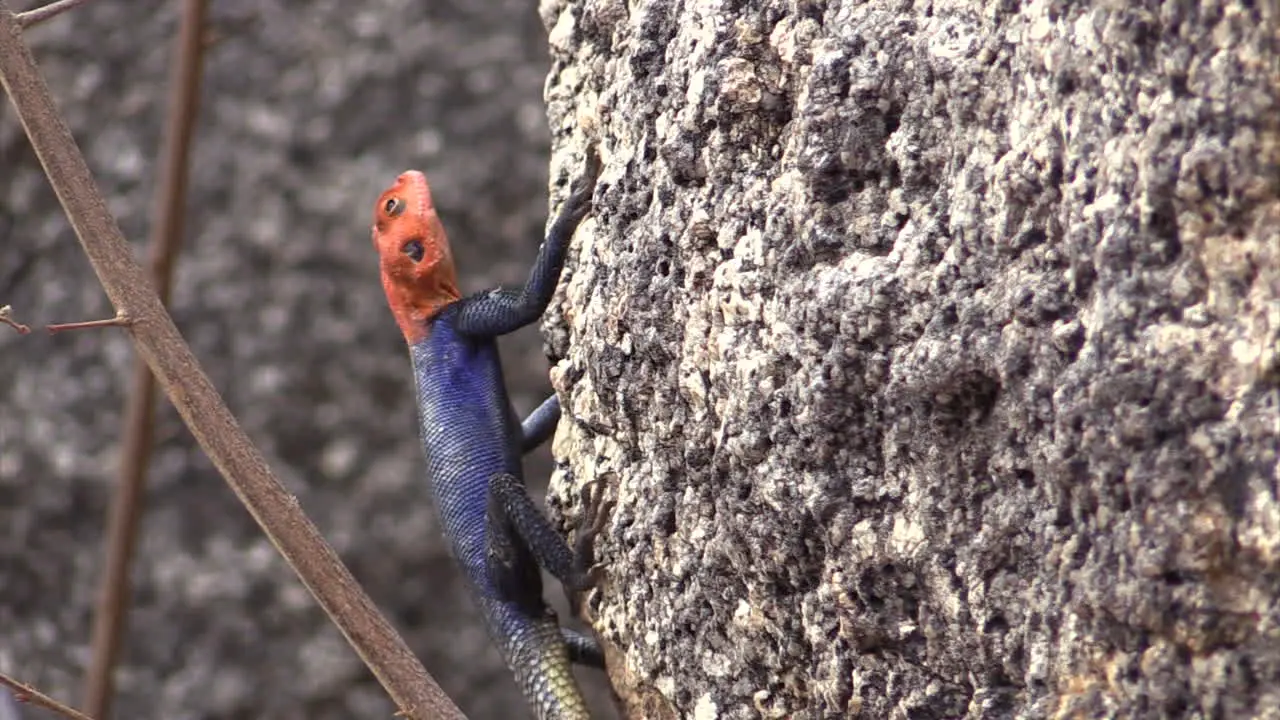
(579, 202)
(595, 515)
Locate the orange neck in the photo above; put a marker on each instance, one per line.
(413, 306)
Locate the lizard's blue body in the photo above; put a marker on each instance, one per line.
(467, 428)
(470, 435)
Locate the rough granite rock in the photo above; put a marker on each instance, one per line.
(931, 352)
(309, 110)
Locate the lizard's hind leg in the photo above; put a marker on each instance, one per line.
(584, 650)
(512, 511)
(515, 521)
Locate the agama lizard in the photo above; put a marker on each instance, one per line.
(473, 441)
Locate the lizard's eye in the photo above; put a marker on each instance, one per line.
(414, 250)
(393, 206)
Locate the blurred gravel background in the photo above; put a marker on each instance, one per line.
(309, 110)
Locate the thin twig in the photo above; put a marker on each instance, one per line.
(23, 692)
(45, 12)
(6, 317)
(120, 320)
(110, 614)
(189, 389)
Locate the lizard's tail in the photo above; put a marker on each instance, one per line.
(537, 654)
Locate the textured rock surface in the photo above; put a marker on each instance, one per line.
(934, 349)
(310, 109)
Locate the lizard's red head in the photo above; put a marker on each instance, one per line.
(417, 268)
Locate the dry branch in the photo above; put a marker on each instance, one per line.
(189, 389)
(120, 320)
(110, 615)
(6, 317)
(23, 692)
(46, 12)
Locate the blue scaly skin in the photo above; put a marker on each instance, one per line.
(473, 440)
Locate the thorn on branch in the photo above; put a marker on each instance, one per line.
(24, 693)
(45, 12)
(6, 317)
(120, 320)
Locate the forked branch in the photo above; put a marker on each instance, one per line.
(23, 692)
(6, 317)
(193, 395)
(45, 12)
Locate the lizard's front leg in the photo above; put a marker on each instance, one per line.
(498, 312)
(539, 426)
